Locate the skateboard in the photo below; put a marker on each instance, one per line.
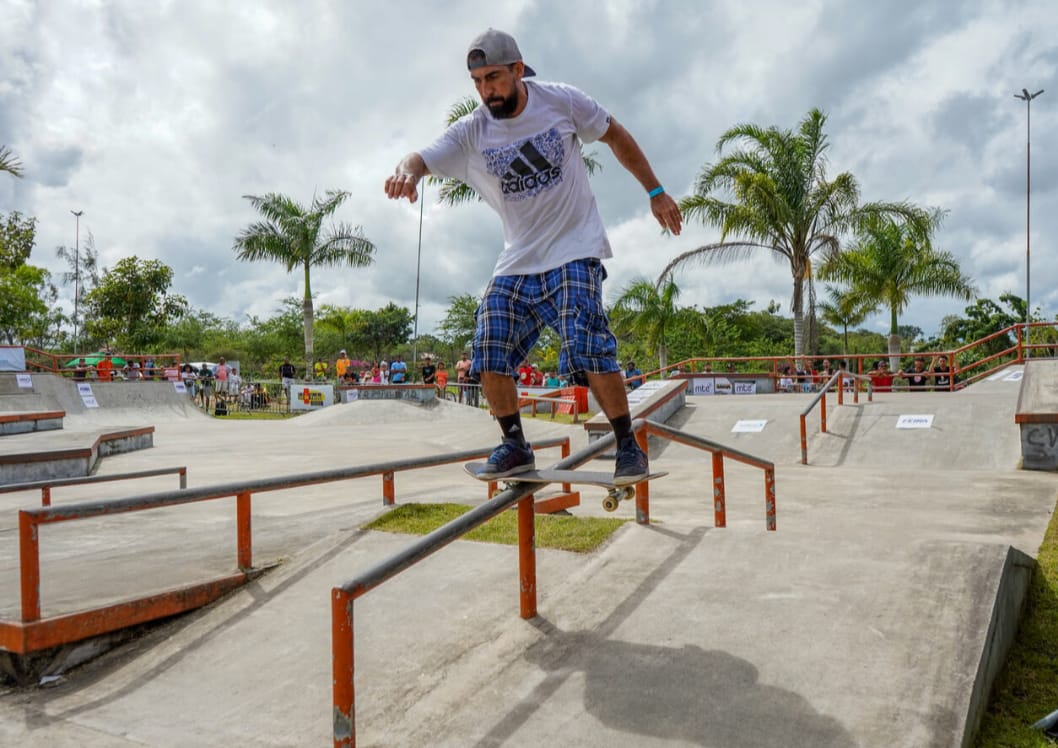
(614, 494)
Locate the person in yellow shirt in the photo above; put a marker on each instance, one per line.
(341, 364)
(319, 369)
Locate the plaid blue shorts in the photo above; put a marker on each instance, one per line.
(568, 299)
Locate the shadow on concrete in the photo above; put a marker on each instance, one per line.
(685, 693)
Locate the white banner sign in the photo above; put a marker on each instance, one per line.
(311, 396)
(84, 389)
(749, 427)
(350, 396)
(25, 381)
(700, 386)
(1014, 376)
(89, 401)
(915, 422)
(744, 387)
(179, 387)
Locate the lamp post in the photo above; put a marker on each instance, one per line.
(1027, 98)
(76, 279)
(418, 263)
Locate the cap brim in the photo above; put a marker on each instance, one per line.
(529, 72)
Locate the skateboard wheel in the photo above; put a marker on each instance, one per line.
(628, 493)
(610, 503)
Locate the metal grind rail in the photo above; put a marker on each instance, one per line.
(343, 596)
(45, 486)
(820, 399)
(33, 633)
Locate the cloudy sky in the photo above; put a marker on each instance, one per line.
(155, 118)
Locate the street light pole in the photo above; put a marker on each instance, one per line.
(418, 263)
(1027, 98)
(76, 279)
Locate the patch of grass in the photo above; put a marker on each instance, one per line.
(578, 534)
(1027, 690)
(253, 415)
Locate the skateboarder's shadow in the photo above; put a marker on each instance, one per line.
(682, 693)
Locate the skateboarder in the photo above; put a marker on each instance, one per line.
(521, 153)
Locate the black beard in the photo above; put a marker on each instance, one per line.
(504, 108)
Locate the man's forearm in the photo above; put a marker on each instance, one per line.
(628, 153)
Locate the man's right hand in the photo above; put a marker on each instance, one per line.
(405, 179)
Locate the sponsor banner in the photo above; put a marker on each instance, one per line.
(179, 387)
(311, 396)
(1014, 376)
(12, 358)
(89, 401)
(84, 389)
(723, 386)
(25, 381)
(749, 427)
(350, 396)
(919, 421)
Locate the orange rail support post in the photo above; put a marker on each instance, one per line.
(565, 453)
(804, 440)
(342, 669)
(389, 493)
(245, 537)
(822, 414)
(183, 476)
(45, 495)
(643, 489)
(769, 498)
(527, 557)
(719, 502)
(29, 561)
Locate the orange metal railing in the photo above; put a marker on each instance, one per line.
(343, 596)
(46, 486)
(840, 380)
(32, 632)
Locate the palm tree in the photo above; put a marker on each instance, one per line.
(888, 264)
(649, 311)
(783, 203)
(453, 192)
(841, 309)
(9, 162)
(294, 235)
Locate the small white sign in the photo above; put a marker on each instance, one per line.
(350, 396)
(749, 427)
(84, 389)
(179, 387)
(89, 401)
(25, 381)
(922, 421)
(1014, 376)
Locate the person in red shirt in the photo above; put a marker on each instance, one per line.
(538, 376)
(881, 377)
(105, 369)
(525, 375)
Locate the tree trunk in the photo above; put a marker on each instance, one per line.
(894, 353)
(306, 310)
(663, 356)
(797, 307)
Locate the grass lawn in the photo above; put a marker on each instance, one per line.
(579, 534)
(1027, 690)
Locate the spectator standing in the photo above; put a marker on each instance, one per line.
(205, 385)
(105, 368)
(319, 370)
(429, 372)
(551, 380)
(398, 371)
(287, 373)
(916, 375)
(80, 372)
(341, 364)
(234, 382)
(221, 376)
(441, 378)
(149, 368)
(942, 376)
(881, 377)
(525, 374)
(383, 370)
(633, 375)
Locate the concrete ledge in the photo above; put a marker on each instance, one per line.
(1013, 586)
(656, 400)
(30, 421)
(1037, 415)
(75, 455)
(420, 393)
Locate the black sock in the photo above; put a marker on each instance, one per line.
(622, 427)
(511, 426)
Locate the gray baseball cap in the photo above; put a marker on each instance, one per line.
(494, 48)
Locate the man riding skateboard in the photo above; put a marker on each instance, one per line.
(521, 153)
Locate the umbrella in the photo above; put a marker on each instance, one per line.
(92, 359)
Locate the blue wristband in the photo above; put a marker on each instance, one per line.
(656, 191)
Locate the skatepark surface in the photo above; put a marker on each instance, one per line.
(862, 621)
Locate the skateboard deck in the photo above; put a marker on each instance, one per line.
(615, 494)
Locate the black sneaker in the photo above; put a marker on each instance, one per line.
(510, 458)
(632, 465)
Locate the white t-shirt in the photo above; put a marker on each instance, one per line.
(529, 170)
